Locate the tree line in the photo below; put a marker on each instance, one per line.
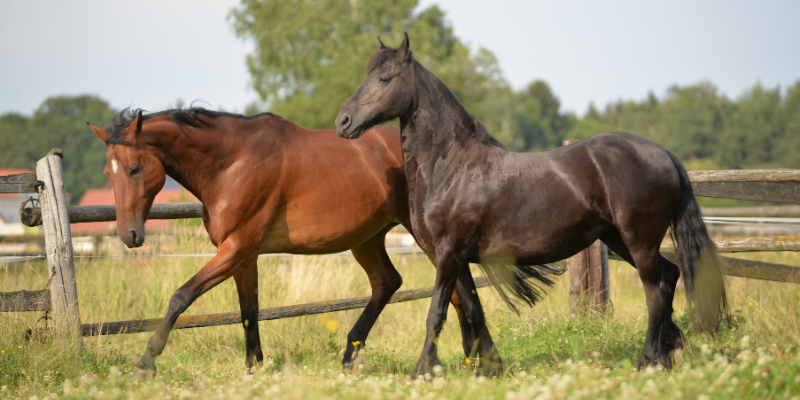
(304, 67)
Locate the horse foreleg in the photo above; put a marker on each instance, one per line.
(448, 266)
(384, 280)
(469, 333)
(482, 345)
(229, 259)
(247, 287)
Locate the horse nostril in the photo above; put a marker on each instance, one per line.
(345, 122)
(133, 236)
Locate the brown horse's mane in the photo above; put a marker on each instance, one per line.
(194, 117)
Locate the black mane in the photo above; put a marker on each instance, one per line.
(193, 117)
(478, 129)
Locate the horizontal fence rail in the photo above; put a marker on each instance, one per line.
(197, 321)
(25, 300)
(105, 213)
(18, 183)
(748, 269)
(757, 211)
(746, 244)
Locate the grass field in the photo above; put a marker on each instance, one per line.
(548, 353)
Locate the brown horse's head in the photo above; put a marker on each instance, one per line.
(386, 94)
(135, 173)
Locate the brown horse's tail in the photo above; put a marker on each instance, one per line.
(698, 259)
(521, 280)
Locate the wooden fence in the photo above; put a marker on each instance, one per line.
(588, 270)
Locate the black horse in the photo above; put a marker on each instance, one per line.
(471, 200)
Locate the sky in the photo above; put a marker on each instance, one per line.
(150, 54)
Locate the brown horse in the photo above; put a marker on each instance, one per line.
(267, 186)
(471, 200)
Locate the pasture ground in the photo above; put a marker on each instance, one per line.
(548, 353)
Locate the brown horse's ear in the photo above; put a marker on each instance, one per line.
(404, 51)
(101, 133)
(137, 125)
(383, 46)
(138, 122)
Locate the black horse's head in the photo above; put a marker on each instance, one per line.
(385, 95)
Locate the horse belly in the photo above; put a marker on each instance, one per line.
(325, 226)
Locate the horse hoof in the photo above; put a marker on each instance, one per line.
(676, 355)
(144, 371)
(354, 367)
(144, 374)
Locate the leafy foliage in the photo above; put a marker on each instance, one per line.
(59, 122)
(759, 129)
(304, 67)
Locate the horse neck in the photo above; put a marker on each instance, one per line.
(437, 125)
(193, 159)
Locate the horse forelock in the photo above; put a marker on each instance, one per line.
(380, 57)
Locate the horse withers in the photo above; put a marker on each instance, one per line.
(472, 200)
(267, 186)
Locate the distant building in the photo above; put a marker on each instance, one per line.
(172, 192)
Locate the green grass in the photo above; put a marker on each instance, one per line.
(548, 353)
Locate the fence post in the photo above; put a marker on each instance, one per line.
(588, 277)
(58, 242)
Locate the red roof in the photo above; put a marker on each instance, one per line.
(13, 171)
(96, 197)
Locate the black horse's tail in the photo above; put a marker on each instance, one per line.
(521, 280)
(698, 259)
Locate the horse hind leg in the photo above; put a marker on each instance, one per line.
(247, 287)
(658, 279)
(384, 280)
(671, 338)
(664, 336)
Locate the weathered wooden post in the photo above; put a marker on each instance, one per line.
(588, 277)
(58, 241)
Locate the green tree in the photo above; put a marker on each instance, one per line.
(59, 122)
(304, 67)
(538, 120)
(752, 129)
(787, 152)
(14, 134)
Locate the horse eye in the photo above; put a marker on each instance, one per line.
(385, 79)
(135, 170)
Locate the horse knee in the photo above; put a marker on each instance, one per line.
(180, 301)
(393, 284)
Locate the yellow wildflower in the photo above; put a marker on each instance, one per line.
(356, 343)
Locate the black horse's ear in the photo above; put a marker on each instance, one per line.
(404, 51)
(383, 46)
